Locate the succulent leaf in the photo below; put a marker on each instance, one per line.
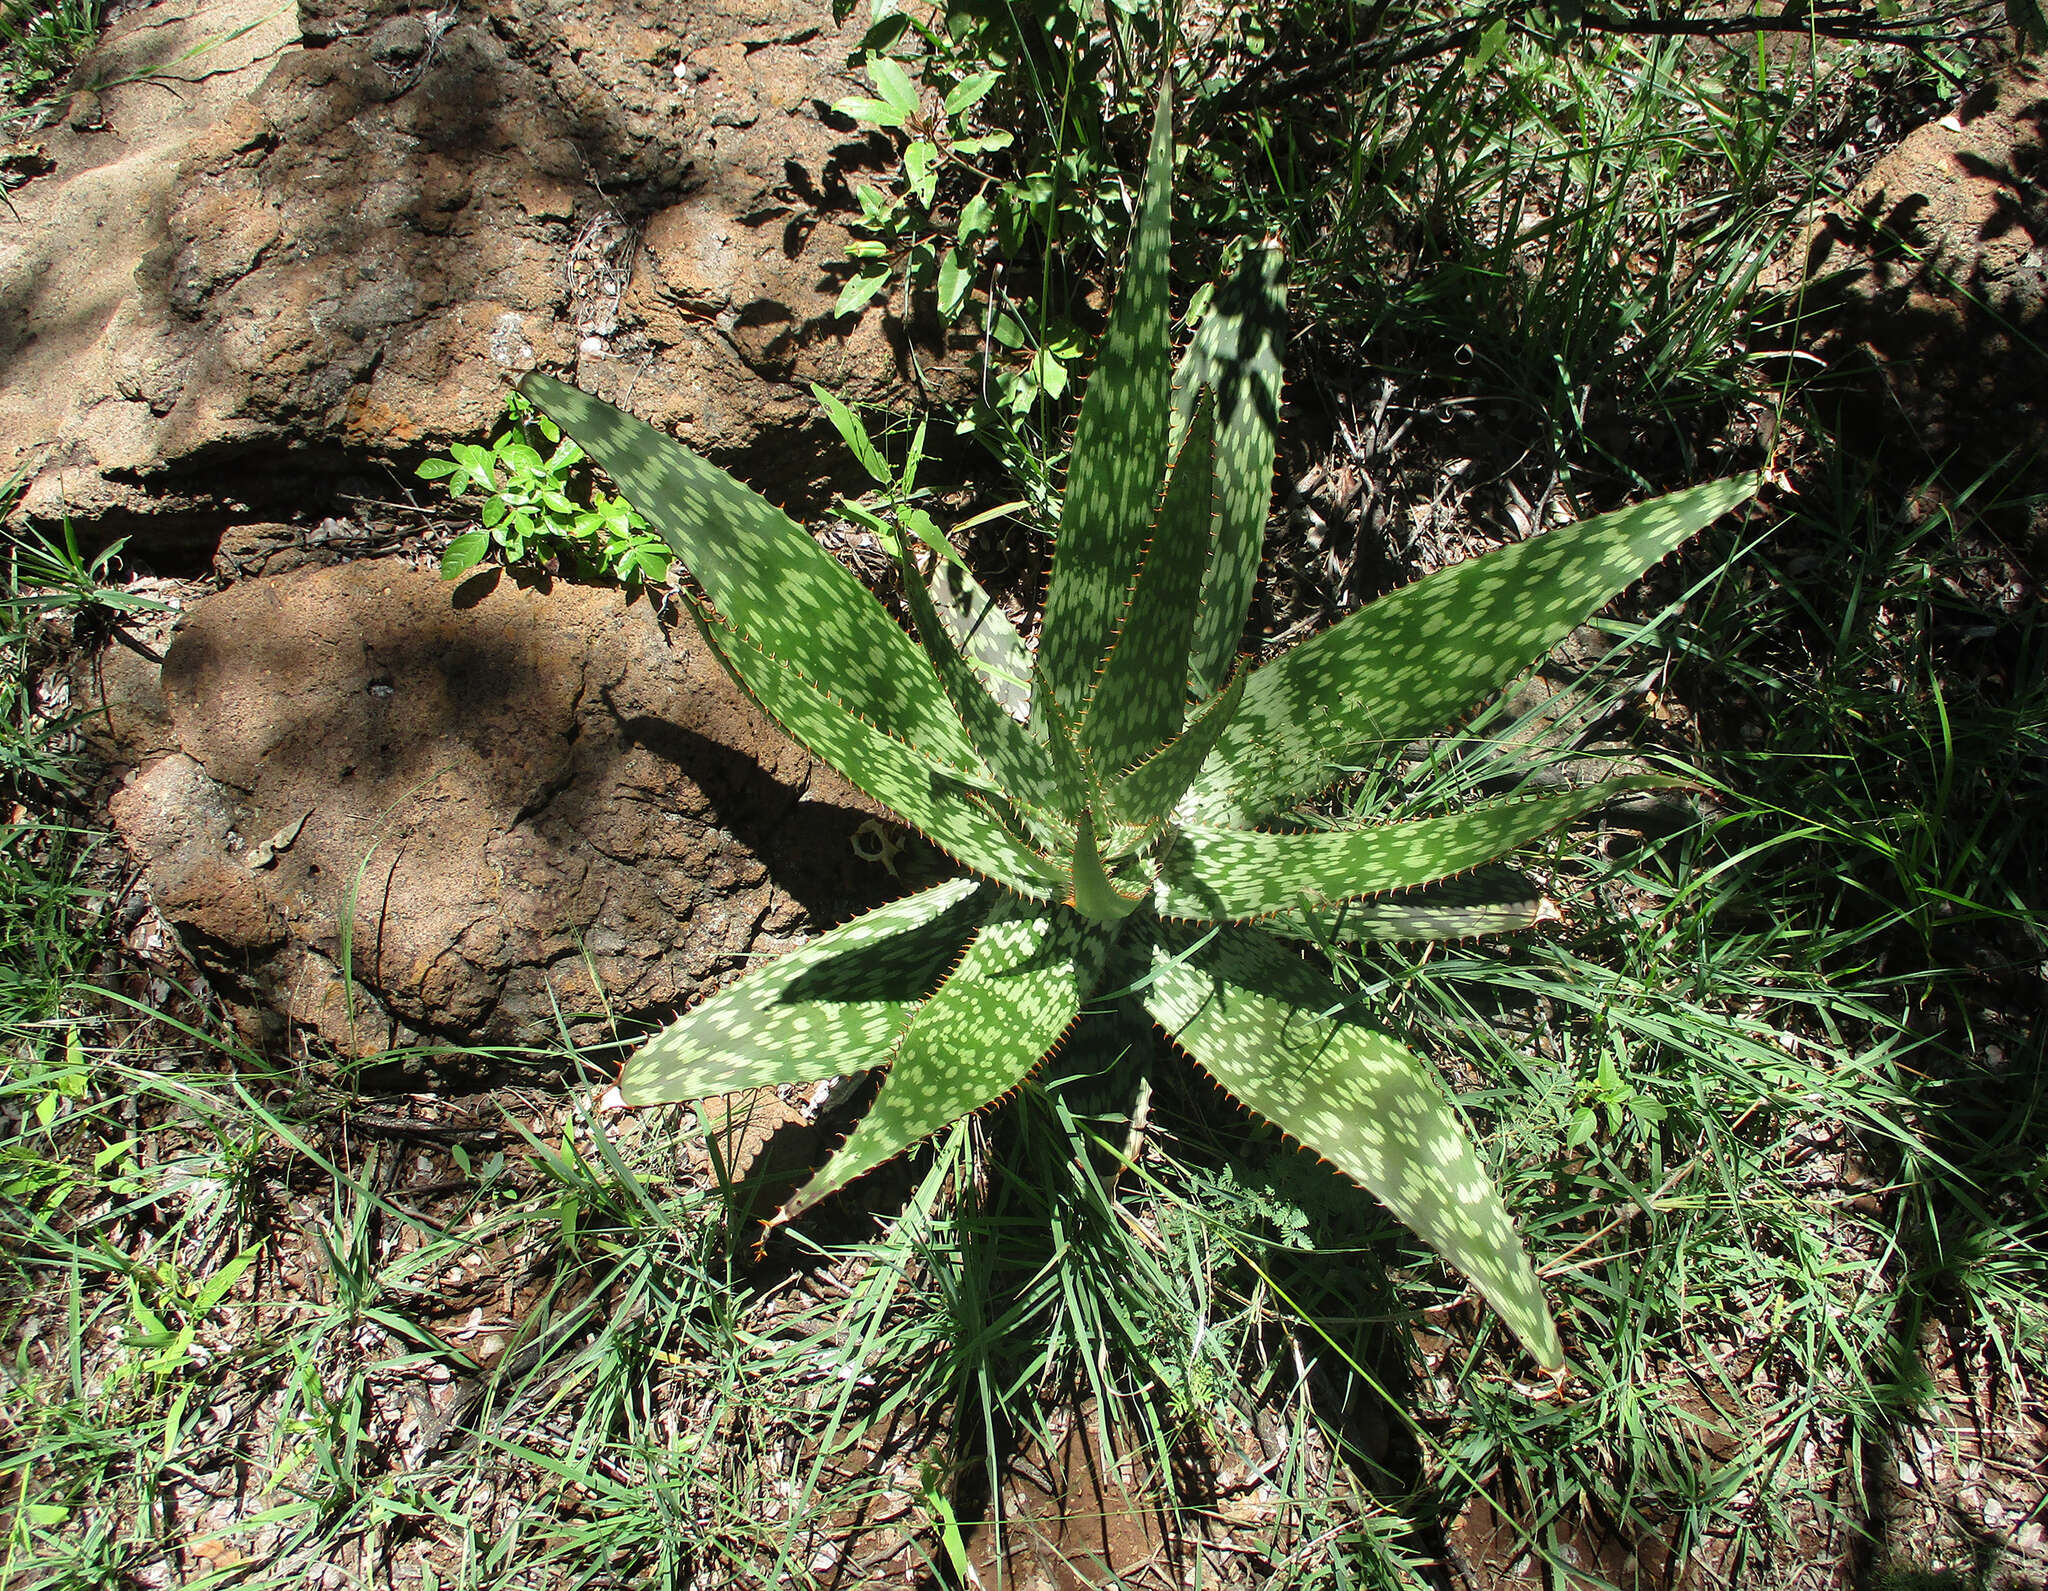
(764, 574)
(1019, 764)
(1494, 900)
(1228, 875)
(1051, 716)
(1147, 793)
(1016, 991)
(933, 800)
(1096, 896)
(1236, 355)
(984, 634)
(1119, 448)
(1403, 666)
(836, 1005)
(1141, 700)
(1275, 1035)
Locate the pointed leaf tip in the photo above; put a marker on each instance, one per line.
(1258, 1021)
(1015, 992)
(1119, 450)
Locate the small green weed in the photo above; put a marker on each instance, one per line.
(539, 506)
(40, 40)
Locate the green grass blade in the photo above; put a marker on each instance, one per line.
(1228, 875)
(1236, 354)
(1015, 992)
(1408, 663)
(763, 573)
(1147, 794)
(1141, 700)
(929, 798)
(837, 1005)
(1119, 446)
(984, 634)
(1270, 1031)
(1020, 765)
(1495, 900)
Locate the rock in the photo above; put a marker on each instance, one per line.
(1936, 269)
(317, 251)
(530, 809)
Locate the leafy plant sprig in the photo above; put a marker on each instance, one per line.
(530, 511)
(967, 195)
(1114, 834)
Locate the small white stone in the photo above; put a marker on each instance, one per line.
(592, 345)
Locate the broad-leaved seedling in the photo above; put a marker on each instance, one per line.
(1121, 794)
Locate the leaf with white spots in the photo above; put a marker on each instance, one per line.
(1228, 875)
(964, 820)
(1015, 992)
(1146, 793)
(1119, 446)
(1494, 900)
(1404, 666)
(1021, 766)
(1278, 1037)
(984, 634)
(764, 574)
(1236, 355)
(837, 1005)
(1141, 700)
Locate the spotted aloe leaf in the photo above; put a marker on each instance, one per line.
(1277, 1036)
(957, 814)
(1095, 892)
(838, 1005)
(1235, 359)
(1494, 900)
(1228, 875)
(1146, 793)
(1405, 665)
(763, 574)
(984, 635)
(1018, 763)
(1141, 700)
(1119, 448)
(1014, 994)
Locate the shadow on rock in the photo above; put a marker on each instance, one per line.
(384, 819)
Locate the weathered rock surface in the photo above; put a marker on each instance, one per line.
(335, 239)
(1936, 267)
(514, 796)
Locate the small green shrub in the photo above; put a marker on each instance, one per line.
(531, 510)
(1129, 839)
(1003, 177)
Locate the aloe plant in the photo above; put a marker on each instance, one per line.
(1121, 793)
